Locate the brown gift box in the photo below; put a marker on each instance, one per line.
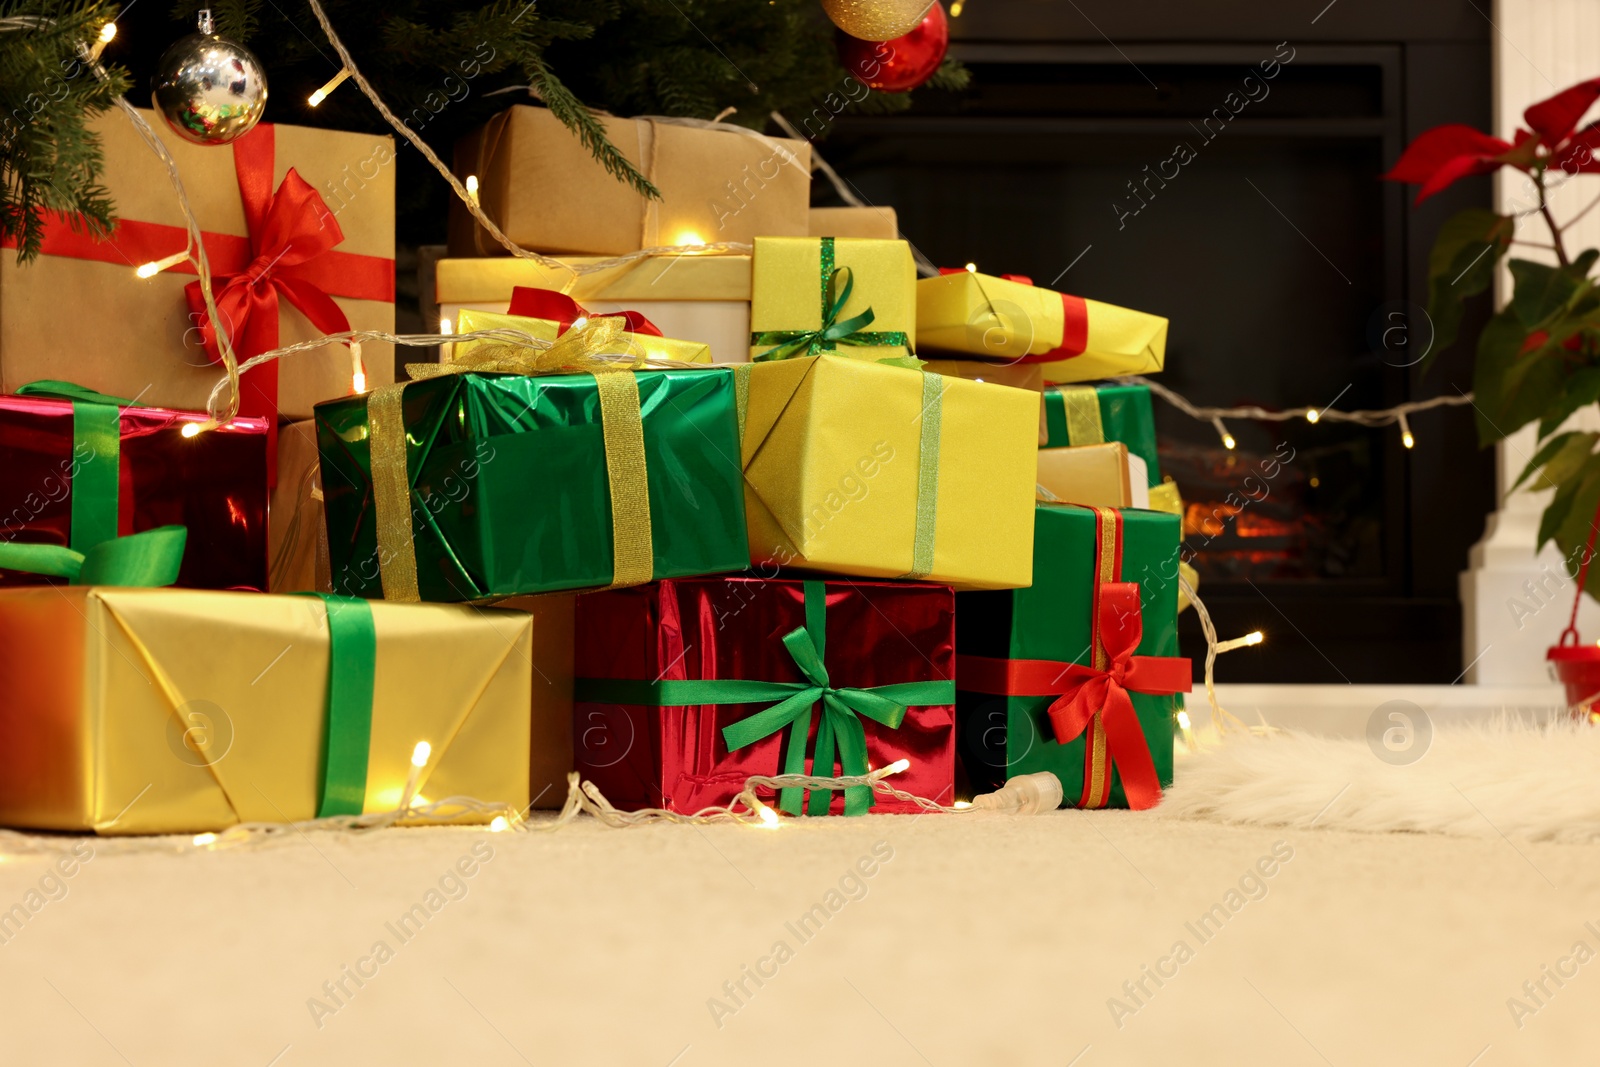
(1091, 475)
(879, 223)
(545, 191)
(297, 538)
(78, 312)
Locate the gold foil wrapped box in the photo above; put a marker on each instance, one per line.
(145, 711)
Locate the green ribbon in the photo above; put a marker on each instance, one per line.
(840, 733)
(832, 333)
(352, 660)
(96, 434)
(151, 558)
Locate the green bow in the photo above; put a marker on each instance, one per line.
(97, 434)
(151, 558)
(839, 729)
(832, 333)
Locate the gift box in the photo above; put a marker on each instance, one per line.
(466, 486)
(847, 296)
(297, 539)
(153, 711)
(83, 468)
(687, 688)
(854, 467)
(1104, 475)
(703, 298)
(1008, 318)
(876, 223)
(1014, 375)
(1078, 674)
(1091, 414)
(546, 315)
(544, 190)
(299, 228)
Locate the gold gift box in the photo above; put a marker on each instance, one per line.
(696, 297)
(832, 452)
(136, 337)
(788, 290)
(999, 319)
(544, 190)
(147, 711)
(468, 321)
(1090, 475)
(878, 223)
(1015, 375)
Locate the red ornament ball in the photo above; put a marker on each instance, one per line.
(902, 64)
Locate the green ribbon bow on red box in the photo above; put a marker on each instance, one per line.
(839, 732)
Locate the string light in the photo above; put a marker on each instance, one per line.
(690, 239)
(151, 269)
(202, 840)
(498, 824)
(190, 429)
(1253, 638)
(957, 7)
(107, 33)
(472, 188)
(358, 369)
(972, 268)
(329, 86)
(419, 760)
(580, 322)
(1372, 417)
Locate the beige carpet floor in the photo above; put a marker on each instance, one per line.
(993, 940)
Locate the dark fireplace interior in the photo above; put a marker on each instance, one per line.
(1223, 172)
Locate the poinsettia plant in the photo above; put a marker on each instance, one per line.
(1538, 358)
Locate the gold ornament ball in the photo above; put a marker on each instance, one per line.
(877, 20)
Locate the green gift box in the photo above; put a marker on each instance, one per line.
(1077, 675)
(1094, 414)
(472, 486)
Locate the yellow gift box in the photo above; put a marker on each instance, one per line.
(803, 287)
(142, 711)
(1000, 319)
(1090, 475)
(1016, 375)
(853, 467)
(469, 321)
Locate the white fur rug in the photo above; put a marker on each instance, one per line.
(1510, 779)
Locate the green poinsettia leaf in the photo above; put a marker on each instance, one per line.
(1461, 265)
(1513, 386)
(1560, 456)
(1579, 497)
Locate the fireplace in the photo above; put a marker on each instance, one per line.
(1225, 175)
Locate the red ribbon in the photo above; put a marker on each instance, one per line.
(560, 308)
(1074, 322)
(1082, 692)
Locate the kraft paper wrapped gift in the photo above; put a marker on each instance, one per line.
(468, 486)
(545, 191)
(879, 223)
(297, 538)
(1103, 475)
(1079, 674)
(146, 711)
(853, 467)
(703, 298)
(1014, 375)
(1090, 414)
(809, 295)
(274, 242)
(650, 346)
(1008, 318)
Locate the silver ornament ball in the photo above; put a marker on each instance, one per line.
(209, 89)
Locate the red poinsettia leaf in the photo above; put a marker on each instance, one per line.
(1581, 154)
(1436, 147)
(1555, 119)
(1453, 171)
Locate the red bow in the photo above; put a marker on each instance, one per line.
(1074, 322)
(288, 230)
(560, 308)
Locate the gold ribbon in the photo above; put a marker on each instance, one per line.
(580, 351)
(1105, 571)
(927, 476)
(1082, 406)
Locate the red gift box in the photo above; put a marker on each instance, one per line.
(899, 635)
(214, 483)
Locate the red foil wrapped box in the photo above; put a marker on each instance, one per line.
(214, 483)
(645, 747)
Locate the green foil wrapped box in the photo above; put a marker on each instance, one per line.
(1001, 635)
(510, 489)
(1121, 413)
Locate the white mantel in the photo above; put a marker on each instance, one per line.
(1515, 604)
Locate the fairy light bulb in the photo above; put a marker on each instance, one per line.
(972, 268)
(420, 754)
(1183, 719)
(358, 370)
(690, 239)
(580, 322)
(1255, 637)
(190, 429)
(769, 818)
(154, 267)
(498, 825)
(202, 840)
(472, 187)
(107, 33)
(1222, 431)
(1313, 415)
(1405, 432)
(1024, 794)
(328, 86)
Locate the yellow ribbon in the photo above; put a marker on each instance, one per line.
(586, 350)
(1082, 406)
